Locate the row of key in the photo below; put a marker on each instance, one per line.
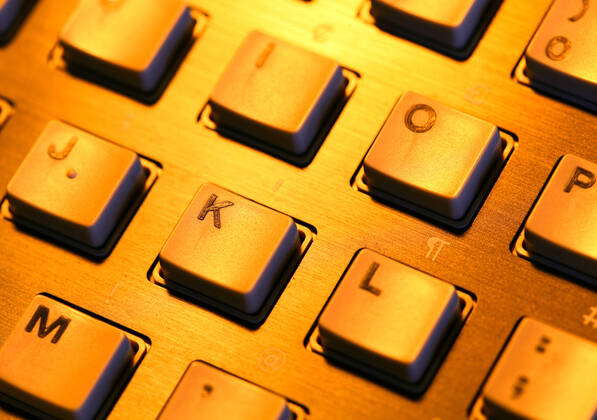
(279, 97)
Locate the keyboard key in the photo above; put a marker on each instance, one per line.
(132, 41)
(562, 53)
(276, 92)
(388, 316)
(9, 12)
(451, 23)
(62, 362)
(75, 184)
(205, 392)
(229, 248)
(544, 373)
(563, 223)
(432, 155)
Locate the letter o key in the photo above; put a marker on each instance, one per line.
(416, 127)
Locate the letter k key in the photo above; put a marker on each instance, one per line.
(212, 205)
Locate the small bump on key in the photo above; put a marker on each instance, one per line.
(207, 392)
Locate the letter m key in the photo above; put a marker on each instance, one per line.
(41, 316)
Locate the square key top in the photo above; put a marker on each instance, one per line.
(277, 93)
(562, 53)
(544, 373)
(130, 41)
(62, 362)
(432, 155)
(388, 316)
(229, 248)
(75, 184)
(451, 23)
(563, 223)
(205, 392)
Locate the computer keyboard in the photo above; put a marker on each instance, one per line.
(298, 209)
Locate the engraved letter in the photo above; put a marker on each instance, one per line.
(64, 152)
(366, 282)
(269, 48)
(41, 314)
(212, 205)
(420, 128)
(579, 15)
(582, 183)
(555, 53)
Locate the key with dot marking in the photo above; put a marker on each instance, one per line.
(544, 373)
(205, 392)
(75, 184)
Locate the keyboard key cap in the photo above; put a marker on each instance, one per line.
(61, 361)
(132, 41)
(451, 23)
(544, 373)
(562, 53)
(205, 392)
(75, 184)
(277, 93)
(229, 248)
(388, 316)
(563, 223)
(432, 155)
(9, 12)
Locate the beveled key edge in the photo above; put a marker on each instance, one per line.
(351, 78)
(466, 301)
(519, 75)
(152, 171)
(518, 248)
(475, 409)
(462, 54)
(509, 144)
(56, 61)
(140, 345)
(306, 235)
(299, 411)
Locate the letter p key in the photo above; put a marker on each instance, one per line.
(582, 178)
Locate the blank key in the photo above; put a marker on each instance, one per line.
(544, 373)
(229, 248)
(451, 23)
(388, 316)
(562, 53)
(432, 155)
(130, 41)
(61, 361)
(563, 223)
(75, 184)
(205, 392)
(276, 92)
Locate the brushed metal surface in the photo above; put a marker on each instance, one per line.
(274, 355)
